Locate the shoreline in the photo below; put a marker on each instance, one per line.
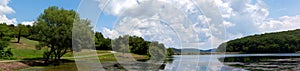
(209, 53)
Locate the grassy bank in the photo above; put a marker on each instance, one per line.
(26, 50)
(112, 57)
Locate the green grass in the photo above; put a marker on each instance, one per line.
(27, 53)
(26, 50)
(111, 57)
(24, 44)
(103, 51)
(107, 58)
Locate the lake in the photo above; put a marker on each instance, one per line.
(228, 62)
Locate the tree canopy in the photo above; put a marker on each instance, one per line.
(5, 34)
(138, 45)
(54, 31)
(278, 42)
(102, 43)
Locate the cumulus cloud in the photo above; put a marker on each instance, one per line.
(4, 19)
(174, 23)
(28, 23)
(115, 7)
(194, 24)
(252, 18)
(4, 10)
(243, 14)
(281, 24)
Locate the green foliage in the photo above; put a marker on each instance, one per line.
(138, 45)
(279, 42)
(102, 43)
(170, 52)
(54, 28)
(157, 51)
(83, 35)
(5, 34)
(22, 30)
(120, 44)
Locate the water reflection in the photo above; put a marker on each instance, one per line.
(62, 67)
(286, 63)
(290, 62)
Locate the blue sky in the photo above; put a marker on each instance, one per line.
(241, 18)
(280, 8)
(26, 10)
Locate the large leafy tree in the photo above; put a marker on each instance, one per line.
(53, 29)
(138, 45)
(5, 34)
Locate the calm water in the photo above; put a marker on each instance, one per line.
(237, 62)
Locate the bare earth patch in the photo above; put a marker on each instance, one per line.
(12, 66)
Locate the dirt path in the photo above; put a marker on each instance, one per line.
(4, 61)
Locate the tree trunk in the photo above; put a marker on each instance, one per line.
(19, 36)
(1, 35)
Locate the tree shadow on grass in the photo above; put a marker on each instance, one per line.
(42, 62)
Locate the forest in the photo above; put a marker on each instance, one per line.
(276, 42)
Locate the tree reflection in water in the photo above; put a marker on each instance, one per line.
(290, 63)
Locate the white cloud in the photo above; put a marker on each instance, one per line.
(169, 21)
(110, 33)
(4, 10)
(228, 24)
(28, 23)
(116, 7)
(282, 24)
(4, 19)
(166, 21)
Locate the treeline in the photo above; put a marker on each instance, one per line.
(5, 36)
(17, 31)
(132, 44)
(8, 32)
(278, 42)
(54, 29)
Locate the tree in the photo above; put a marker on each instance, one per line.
(101, 42)
(5, 34)
(170, 52)
(53, 29)
(138, 45)
(21, 30)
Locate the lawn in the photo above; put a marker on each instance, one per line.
(111, 57)
(24, 44)
(26, 49)
(27, 53)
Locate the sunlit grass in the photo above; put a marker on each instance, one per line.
(24, 44)
(27, 53)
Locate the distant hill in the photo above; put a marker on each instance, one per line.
(277, 42)
(191, 50)
(209, 50)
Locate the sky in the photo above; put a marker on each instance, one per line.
(201, 24)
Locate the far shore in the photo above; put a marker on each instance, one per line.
(209, 53)
(206, 53)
